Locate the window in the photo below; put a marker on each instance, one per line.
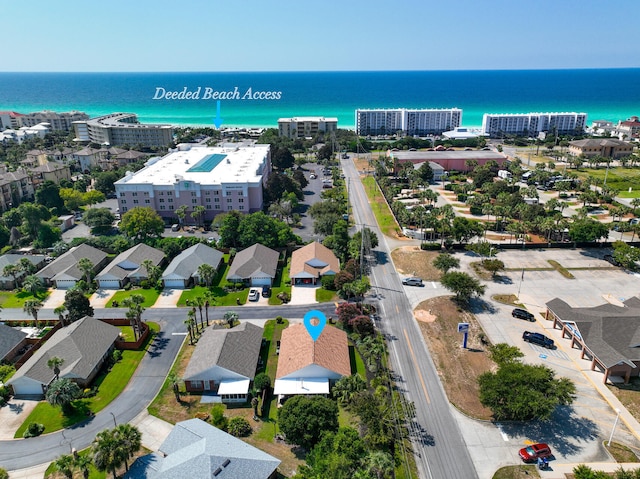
(240, 200)
(229, 200)
(229, 208)
(170, 200)
(193, 193)
(241, 208)
(194, 201)
(216, 192)
(208, 207)
(162, 193)
(217, 200)
(207, 193)
(135, 202)
(162, 207)
(146, 193)
(122, 195)
(207, 200)
(124, 202)
(229, 193)
(196, 384)
(147, 201)
(169, 193)
(135, 193)
(124, 209)
(161, 200)
(217, 207)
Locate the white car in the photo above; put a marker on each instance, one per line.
(254, 294)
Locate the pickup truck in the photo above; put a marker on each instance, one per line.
(537, 338)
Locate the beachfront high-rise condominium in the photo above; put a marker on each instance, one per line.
(532, 124)
(57, 121)
(306, 126)
(118, 129)
(407, 122)
(218, 179)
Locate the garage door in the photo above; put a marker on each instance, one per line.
(109, 284)
(266, 281)
(174, 283)
(64, 284)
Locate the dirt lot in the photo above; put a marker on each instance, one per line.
(411, 260)
(458, 368)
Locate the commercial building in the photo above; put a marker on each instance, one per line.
(57, 121)
(306, 126)
(122, 129)
(532, 124)
(217, 179)
(450, 160)
(605, 147)
(407, 122)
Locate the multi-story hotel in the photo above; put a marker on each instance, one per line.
(407, 122)
(219, 179)
(57, 121)
(532, 124)
(306, 126)
(122, 129)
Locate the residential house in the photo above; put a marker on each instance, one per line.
(88, 158)
(15, 187)
(12, 340)
(127, 266)
(11, 282)
(198, 450)
(51, 171)
(83, 346)
(256, 265)
(64, 271)
(607, 148)
(306, 366)
(183, 270)
(224, 362)
(607, 335)
(629, 128)
(311, 262)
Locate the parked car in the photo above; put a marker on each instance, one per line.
(254, 294)
(523, 314)
(312, 176)
(539, 339)
(534, 451)
(412, 281)
(266, 291)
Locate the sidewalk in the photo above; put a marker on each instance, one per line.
(558, 471)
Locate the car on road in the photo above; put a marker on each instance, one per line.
(523, 314)
(312, 176)
(412, 281)
(254, 294)
(266, 291)
(534, 451)
(539, 339)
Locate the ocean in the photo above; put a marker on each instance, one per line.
(259, 99)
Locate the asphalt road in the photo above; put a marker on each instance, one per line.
(142, 388)
(439, 448)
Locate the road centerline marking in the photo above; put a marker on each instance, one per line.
(413, 356)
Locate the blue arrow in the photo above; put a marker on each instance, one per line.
(217, 121)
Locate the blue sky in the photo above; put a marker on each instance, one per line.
(303, 35)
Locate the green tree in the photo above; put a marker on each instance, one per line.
(239, 427)
(445, 261)
(261, 382)
(134, 314)
(502, 353)
(231, 317)
(142, 223)
(154, 272)
(48, 194)
(493, 266)
(206, 273)
(100, 220)
(26, 266)
(86, 266)
(32, 307)
(104, 181)
(77, 305)
(83, 462)
(63, 392)
(129, 440)
(303, 419)
(347, 387)
(54, 364)
(33, 217)
(107, 453)
(47, 236)
(181, 213)
(229, 229)
(522, 392)
(198, 213)
(281, 157)
(65, 465)
(625, 254)
(380, 463)
(12, 270)
(93, 197)
(73, 199)
(462, 285)
(338, 455)
(586, 230)
(260, 228)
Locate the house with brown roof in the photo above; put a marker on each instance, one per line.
(312, 262)
(224, 362)
(607, 148)
(255, 265)
(306, 366)
(607, 335)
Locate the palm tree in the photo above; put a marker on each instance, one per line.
(86, 266)
(27, 266)
(62, 393)
(380, 463)
(153, 271)
(83, 462)
(198, 212)
(130, 441)
(347, 387)
(181, 213)
(190, 322)
(32, 284)
(54, 363)
(13, 271)
(107, 453)
(210, 300)
(65, 464)
(199, 302)
(174, 380)
(231, 317)
(32, 306)
(206, 273)
(60, 310)
(134, 315)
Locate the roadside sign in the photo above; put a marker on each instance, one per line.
(463, 327)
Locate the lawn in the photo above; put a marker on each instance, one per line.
(281, 283)
(357, 364)
(384, 217)
(16, 300)
(109, 385)
(618, 178)
(221, 296)
(325, 296)
(150, 297)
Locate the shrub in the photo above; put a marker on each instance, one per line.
(239, 427)
(362, 325)
(279, 319)
(475, 210)
(116, 355)
(217, 417)
(328, 283)
(6, 370)
(34, 429)
(430, 246)
(145, 284)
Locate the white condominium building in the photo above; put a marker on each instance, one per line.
(306, 126)
(216, 179)
(119, 129)
(58, 121)
(407, 122)
(532, 124)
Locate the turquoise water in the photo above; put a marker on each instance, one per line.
(608, 94)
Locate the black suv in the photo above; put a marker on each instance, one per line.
(523, 314)
(266, 292)
(539, 339)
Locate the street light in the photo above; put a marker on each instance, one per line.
(615, 423)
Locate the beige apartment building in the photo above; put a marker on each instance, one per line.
(306, 126)
(122, 129)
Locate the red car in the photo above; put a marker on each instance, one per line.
(534, 451)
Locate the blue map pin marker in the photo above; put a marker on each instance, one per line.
(315, 330)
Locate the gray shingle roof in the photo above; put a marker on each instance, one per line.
(611, 332)
(235, 349)
(129, 262)
(9, 339)
(67, 263)
(185, 265)
(197, 450)
(255, 260)
(81, 345)
(7, 259)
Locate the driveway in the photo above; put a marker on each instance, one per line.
(304, 294)
(101, 297)
(13, 415)
(55, 298)
(168, 298)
